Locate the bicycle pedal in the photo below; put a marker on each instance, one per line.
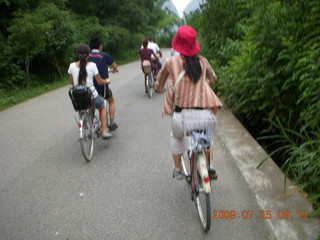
(213, 176)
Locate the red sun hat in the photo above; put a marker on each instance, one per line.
(185, 41)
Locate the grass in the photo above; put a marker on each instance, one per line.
(301, 153)
(11, 98)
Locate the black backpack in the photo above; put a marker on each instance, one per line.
(81, 97)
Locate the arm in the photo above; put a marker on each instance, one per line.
(111, 62)
(102, 81)
(160, 53)
(162, 79)
(155, 55)
(71, 80)
(114, 67)
(210, 74)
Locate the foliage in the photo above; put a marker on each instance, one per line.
(27, 38)
(133, 15)
(301, 152)
(59, 37)
(222, 26)
(39, 37)
(267, 53)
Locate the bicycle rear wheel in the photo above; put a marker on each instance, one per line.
(149, 82)
(202, 200)
(86, 140)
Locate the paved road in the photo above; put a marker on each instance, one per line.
(48, 190)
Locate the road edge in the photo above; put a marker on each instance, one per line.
(267, 182)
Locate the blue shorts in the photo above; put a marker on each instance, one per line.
(99, 102)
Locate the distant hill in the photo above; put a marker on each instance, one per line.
(193, 5)
(169, 5)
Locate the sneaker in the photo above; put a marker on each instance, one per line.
(113, 127)
(177, 174)
(212, 172)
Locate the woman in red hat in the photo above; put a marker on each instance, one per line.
(193, 76)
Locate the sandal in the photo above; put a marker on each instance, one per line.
(106, 136)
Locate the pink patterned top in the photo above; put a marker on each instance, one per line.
(187, 94)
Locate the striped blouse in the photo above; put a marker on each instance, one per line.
(187, 94)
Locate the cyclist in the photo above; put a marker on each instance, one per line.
(145, 54)
(82, 72)
(193, 90)
(102, 60)
(152, 45)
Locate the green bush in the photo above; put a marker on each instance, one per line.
(268, 74)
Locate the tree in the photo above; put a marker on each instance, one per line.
(222, 27)
(59, 37)
(28, 38)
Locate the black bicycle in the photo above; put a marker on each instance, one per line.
(88, 122)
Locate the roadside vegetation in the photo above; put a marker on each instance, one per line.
(38, 38)
(266, 54)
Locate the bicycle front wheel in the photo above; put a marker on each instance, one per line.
(86, 140)
(202, 200)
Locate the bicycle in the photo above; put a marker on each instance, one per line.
(148, 77)
(198, 131)
(87, 121)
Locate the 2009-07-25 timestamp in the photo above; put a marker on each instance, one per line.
(263, 214)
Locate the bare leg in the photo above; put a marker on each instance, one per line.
(177, 161)
(212, 171)
(112, 107)
(102, 113)
(211, 155)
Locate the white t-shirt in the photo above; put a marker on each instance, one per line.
(92, 71)
(174, 52)
(154, 47)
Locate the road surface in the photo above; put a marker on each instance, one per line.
(48, 190)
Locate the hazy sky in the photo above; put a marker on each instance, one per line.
(180, 5)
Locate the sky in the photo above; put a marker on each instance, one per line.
(180, 5)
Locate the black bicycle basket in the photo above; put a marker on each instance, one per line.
(81, 97)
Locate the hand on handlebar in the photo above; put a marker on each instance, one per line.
(156, 86)
(113, 70)
(107, 81)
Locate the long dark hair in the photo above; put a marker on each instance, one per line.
(82, 52)
(193, 68)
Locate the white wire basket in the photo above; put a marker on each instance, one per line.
(198, 126)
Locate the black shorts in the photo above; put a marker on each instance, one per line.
(158, 63)
(108, 93)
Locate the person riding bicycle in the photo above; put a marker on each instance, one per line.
(103, 60)
(152, 45)
(82, 72)
(192, 92)
(145, 54)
